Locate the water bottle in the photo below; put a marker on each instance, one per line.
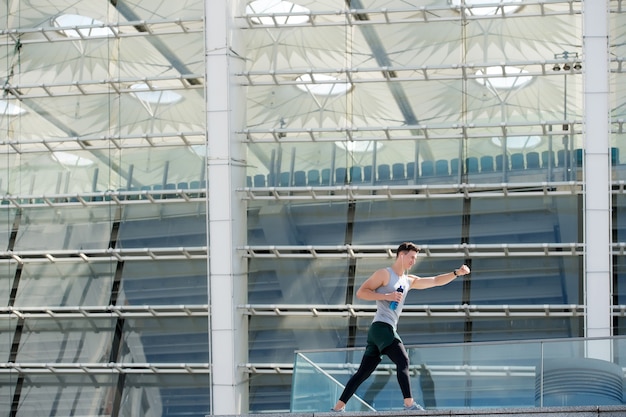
(394, 304)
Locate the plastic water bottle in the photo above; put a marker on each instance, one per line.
(394, 304)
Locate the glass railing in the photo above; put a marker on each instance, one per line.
(541, 373)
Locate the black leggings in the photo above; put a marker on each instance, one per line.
(397, 353)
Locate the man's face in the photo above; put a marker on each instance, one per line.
(408, 259)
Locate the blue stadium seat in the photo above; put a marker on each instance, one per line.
(170, 186)
(547, 159)
(340, 175)
(532, 160)
(471, 164)
(299, 178)
(428, 168)
(560, 157)
(196, 185)
(578, 157)
(517, 161)
(486, 163)
(441, 167)
(313, 177)
(384, 172)
(356, 174)
(325, 176)
(397, 171)
(248, 181)
(259, 180)
(615, 156)
(284, 179)
(410, 170)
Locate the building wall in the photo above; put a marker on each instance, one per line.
(195, 190)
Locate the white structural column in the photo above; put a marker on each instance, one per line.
(227, 281)
(598, 273)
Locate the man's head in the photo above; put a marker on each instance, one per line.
(406, 247)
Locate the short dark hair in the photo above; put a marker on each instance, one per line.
(407, 247)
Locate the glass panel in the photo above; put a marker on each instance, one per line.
(429, 221)
(66, 340)
(165, 340)
(270, 392)
(64, 395)
(518, 219)
(290, 281)
(160, 282)
(162, 226)
(274, 339)
(521, 157)
(7, 218)
(166, 395)
(302, 224)
(65, 284)
(619, 285)
(91, 395)
(531, 280)
(7, 277)
(64, 228)
(619, 262)
(617, 88)
(7, 333)
(468, 375)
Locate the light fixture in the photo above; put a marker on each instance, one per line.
(569, 60)
(323, 85)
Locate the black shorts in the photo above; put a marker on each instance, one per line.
(379, 336)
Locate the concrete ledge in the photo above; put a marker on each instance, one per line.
(586, 411)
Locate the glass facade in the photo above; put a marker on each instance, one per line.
(191, 191)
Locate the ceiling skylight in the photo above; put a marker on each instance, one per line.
(359, 145)
(518, 142)
(486, 7)
(80, 26)
(154, 96)
(278, 12)
(503, 78)
(323, 85)
(71, 160)
(8, 109)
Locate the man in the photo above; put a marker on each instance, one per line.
(382, 338)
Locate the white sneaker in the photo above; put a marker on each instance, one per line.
(415, 406)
